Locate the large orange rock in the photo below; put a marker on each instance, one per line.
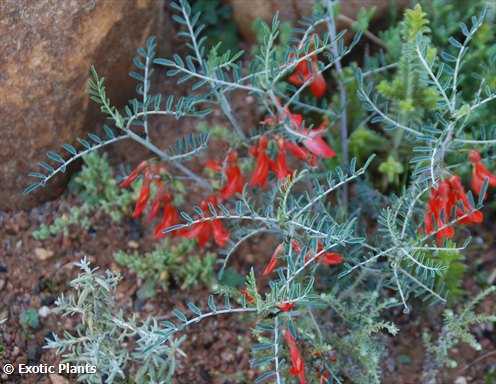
(46, 50)
(245, 12)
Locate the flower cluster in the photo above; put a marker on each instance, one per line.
(308, 71)
(450, 197)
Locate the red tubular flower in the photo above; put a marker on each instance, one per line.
(214, 165)
(314, 142)
(280, 166)
(328, 258)
(205, 230)
(297, 151)
(126, 183)
(202, 232)
(448, 196)
(262, 164)
(458, 194)
(480, 173)
(221, 234)
(331, 258)
(305, 71)
(439, 209)
(170, 218)
(144, 195)
(235, 180)
(286, 307)
(297, 364)
(160, 198)
(272, 264)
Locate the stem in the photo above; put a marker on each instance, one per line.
(198, 179)
(331, 24)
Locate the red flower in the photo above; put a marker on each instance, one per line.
(331, 258)
(328, 258)
(249, 298)
(235, 180)
(126, 183)
(305, 71)
(205, 230)
(480, 173)
(297, 364)
(314, 141)
(297, 151)
(170, 218)
(448, 196)
(144, 195)
(285, 307)
(272, 264)
(221, 234)
(458, 194)
(202, 232)
(160, 198)
(214, 165)
(280, 166)
(262, 164)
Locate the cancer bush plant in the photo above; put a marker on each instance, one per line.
(357, 237)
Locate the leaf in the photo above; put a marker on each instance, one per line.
(180, 315)
(264, 376)
(31, 188)
(55, 157)
(69, 148)
(211, 303)
(193, 308)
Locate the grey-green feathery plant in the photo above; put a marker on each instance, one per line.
(338, 269)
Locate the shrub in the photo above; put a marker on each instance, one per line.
(356, 237)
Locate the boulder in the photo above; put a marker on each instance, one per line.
(46, 50)
(245, 12)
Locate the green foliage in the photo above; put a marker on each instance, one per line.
(220, 26)
(456, 330)
(169, 263)
(76, 216)
(29, 319)
(96, 186)
(102, 336)
(409, 90)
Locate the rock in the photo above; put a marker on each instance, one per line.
(44, 311)
(43, 254)
(57, 379)
(46, 55)
(460, 380)
(2, 284)
(246, 12)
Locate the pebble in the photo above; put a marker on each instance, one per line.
(44, 311)
(133, 244)
(43, 254)
(2, 284)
